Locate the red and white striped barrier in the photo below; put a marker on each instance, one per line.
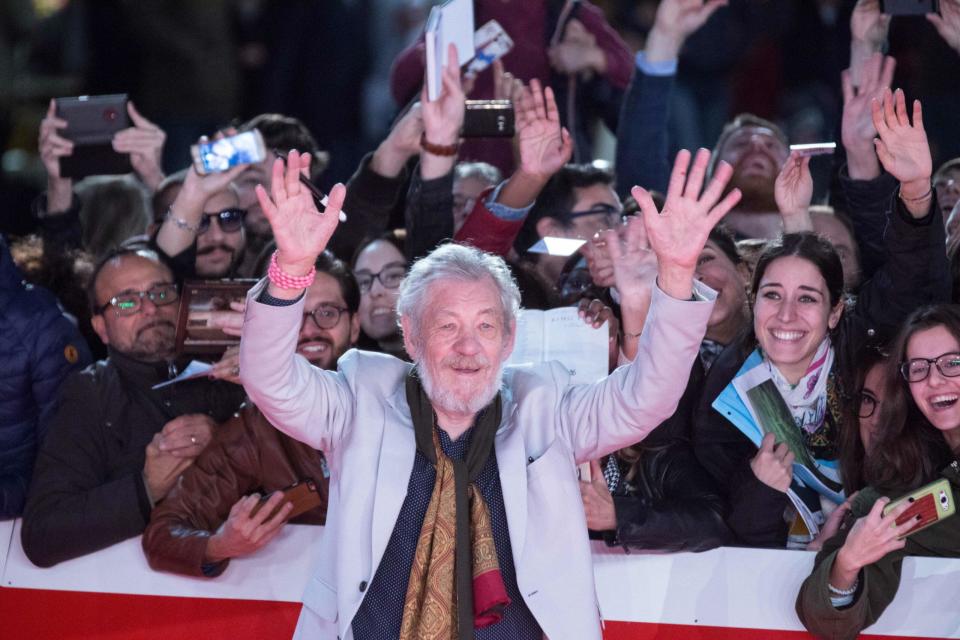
(729, 593)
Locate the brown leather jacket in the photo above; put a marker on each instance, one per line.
(247, 455)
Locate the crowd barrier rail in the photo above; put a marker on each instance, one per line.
(723, 594)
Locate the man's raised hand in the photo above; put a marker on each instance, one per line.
(793, 191)
(301, 231)
(144, 142)
(856, 129)
(678, 233)
(903, 149)
(545, 146)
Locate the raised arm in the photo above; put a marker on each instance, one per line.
(642, 129)
(634, 399)
(311, 405)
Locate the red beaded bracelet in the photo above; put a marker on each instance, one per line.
(285, 280)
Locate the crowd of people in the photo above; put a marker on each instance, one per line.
(781, 368)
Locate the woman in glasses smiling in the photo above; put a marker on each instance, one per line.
(379, 266)
(856, 574)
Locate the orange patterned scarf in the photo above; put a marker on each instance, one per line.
(442, 601)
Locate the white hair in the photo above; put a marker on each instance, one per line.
(456, 262)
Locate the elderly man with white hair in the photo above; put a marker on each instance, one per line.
(454, 504)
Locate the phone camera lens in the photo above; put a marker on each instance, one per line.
(110, 115)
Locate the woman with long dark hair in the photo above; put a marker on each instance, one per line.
(857, 573)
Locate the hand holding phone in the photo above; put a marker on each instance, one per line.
(932, 503)
(91, 124)
(222, 154)
(908, 7)
(302, 494)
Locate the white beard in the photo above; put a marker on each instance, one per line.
(448, 401)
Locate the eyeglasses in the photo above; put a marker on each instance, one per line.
(231, 220)
(917, 369)
(128, 303)
(326, 316)
(868, 405)
(611, 214)
(390, 277)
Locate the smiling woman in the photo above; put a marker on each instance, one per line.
(773, 404)
(857, 573)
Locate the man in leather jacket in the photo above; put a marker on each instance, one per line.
(209, 516)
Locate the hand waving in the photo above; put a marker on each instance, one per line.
(678, 233)
(634, 264)
(545, 146)
(301, 231)
(903, 148)
(857, 130)
(793, 191)
(947, 23)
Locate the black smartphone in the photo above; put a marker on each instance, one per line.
(488, 119)
(92, 122)
(908, 7)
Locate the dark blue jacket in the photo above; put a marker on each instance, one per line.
(39, 346)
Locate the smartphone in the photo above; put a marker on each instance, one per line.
(933, 503)
(303, 494)
(215, 156)
(488, 119)
(491, 43)
(815, 149)
(92, 122)
(908, 7)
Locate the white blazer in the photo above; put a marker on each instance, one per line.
(359, 417)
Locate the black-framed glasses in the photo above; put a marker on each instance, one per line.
(917, 369)
(327, 316)
(127, 303)
(230, 220)
(610, 213)
(390, 277)
(868, 405)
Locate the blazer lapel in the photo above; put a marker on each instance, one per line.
(397, 453)
(512, 463)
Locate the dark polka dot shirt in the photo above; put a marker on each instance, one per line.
(381, 611)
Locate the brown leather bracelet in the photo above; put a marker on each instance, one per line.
(438, 149)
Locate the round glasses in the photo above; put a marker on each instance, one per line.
(127, 303)
(230, 220)
(326, 316)
(868, 405)
(917, 369)
(390, 277)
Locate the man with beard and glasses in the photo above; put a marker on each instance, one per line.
(116, 444)
(203, 234)
(756, 149)
(451, 477)
(209, 517)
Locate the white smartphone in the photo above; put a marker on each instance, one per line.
(491, 43)
(215, 156)
(815, 149)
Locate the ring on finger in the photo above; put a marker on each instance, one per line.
(236, 371)
(193, 439)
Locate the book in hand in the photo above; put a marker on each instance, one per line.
(448, 23)
(560, 334)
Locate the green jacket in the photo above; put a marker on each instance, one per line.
(878, 581)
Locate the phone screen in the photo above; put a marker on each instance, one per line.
(220, 155)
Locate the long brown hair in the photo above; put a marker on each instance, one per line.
(909, 450)
(852, 451)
